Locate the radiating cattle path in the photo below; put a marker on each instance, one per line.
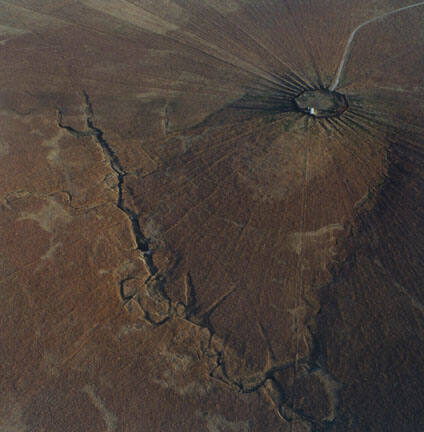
(352, 35)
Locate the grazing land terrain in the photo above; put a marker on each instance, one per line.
(212, 215)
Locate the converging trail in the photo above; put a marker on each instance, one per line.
(352, 35)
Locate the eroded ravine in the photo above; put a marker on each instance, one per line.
(166, 308)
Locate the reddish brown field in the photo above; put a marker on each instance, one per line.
(211, 215)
